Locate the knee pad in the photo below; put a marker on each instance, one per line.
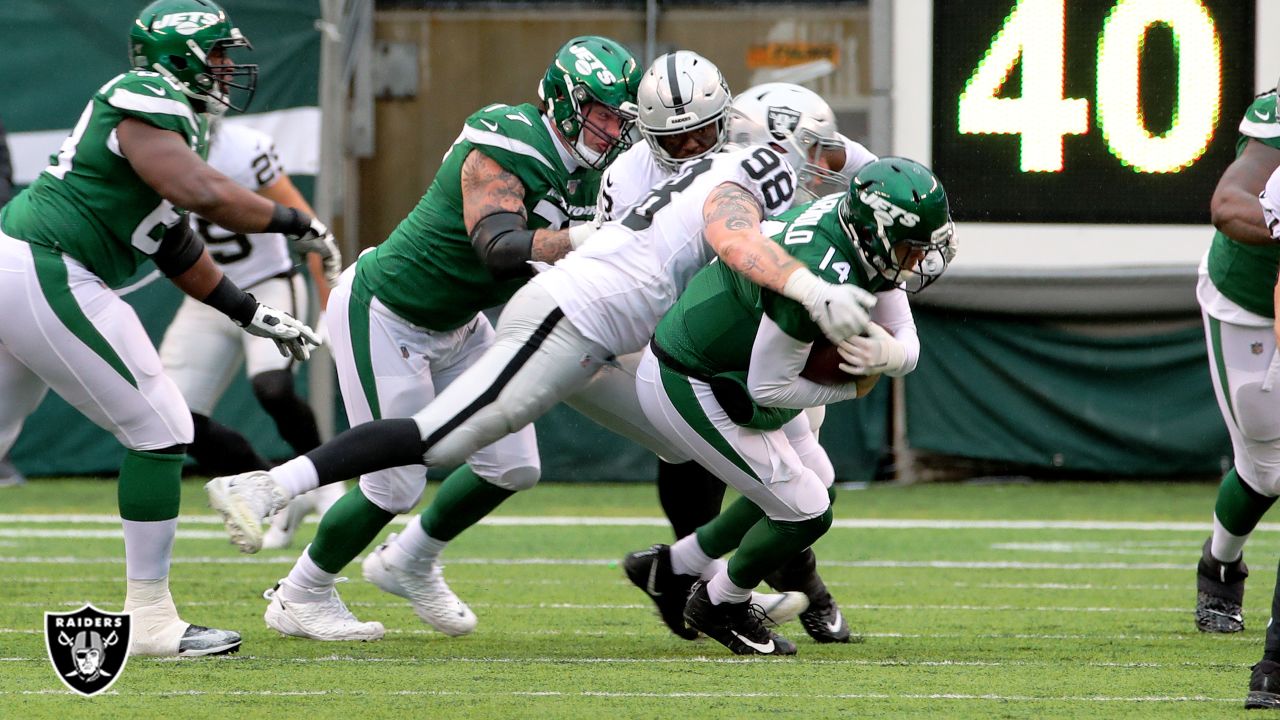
(810, 498)
(393, 491)
(273, 387)
(517, 479)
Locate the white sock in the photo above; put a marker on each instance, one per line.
(1224, 546)
(306, 576)
(713, 568)
(148, 547)
(722, 590)
(687, 557)
(414, 547)
(296, 476)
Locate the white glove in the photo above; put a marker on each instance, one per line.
(319, 239)
(292, 337)
(878, 353)
(841, 311)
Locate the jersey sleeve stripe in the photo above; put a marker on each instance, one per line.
(126, 100)
(1252, 129)
(553, 214)
(482, 137)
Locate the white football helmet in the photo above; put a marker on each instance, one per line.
(683, 102)
(797, 122)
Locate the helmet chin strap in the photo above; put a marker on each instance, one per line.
(589, 156)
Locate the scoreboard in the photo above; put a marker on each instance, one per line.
(1078, 133)
(1095, 111)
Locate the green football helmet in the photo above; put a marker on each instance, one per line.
(184, 40)
(897, 216)
(591, 69)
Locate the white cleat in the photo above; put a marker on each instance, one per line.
(433, 602)
(245, 501)
(780, 608)
(325, 618)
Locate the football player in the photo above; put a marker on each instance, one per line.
(201, 351)
(722, 380)
(107, 202)
(601, 301)
(678, 130)
(1236, 289)
(405, 323)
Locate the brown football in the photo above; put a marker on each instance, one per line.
(823, 367)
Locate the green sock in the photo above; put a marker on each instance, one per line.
(725, 531)
(346, 529)
(1239, 507)
(770, 543)
(463, 498)
(150, 486)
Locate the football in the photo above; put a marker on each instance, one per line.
(823, 367)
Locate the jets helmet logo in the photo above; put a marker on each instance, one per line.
(186, 23)
(782, 122)
(88, 647)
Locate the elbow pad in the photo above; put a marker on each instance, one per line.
(504, 244)
(179, 250)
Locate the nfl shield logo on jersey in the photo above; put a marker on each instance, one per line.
(782, 122)
(88, 647)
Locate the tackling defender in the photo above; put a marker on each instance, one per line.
(106, 203)
(721, 379)
(600, 301)
(405, 323)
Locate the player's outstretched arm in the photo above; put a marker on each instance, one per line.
(494, 216)
(731, 218)
(1234, 207)
(164, 161)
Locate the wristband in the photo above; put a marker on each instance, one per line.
(287, 220)
(228, 299)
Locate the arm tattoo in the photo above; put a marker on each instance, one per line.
(487, 188)
(550, 245)
(733, 219)
(734, 206)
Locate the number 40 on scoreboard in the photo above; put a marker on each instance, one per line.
(1088, 110)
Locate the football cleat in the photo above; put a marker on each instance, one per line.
(325, 618)
(650, 570)
(433, 602)
(285, 524)
(199, 641)
(779, 608)
(737, 626)
(245, 501)
(1264, 687)
(825, 623)
(1220, 593)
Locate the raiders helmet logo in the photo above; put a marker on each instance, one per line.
(782, 122)
(88, 647)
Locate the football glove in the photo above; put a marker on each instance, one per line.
(317, 238)
(841, 311)
(292, 337)
(876, 353)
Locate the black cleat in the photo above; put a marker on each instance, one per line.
(1264, 687)
(199, 641)
(1220, 593)
(650, 570)
(825, 623)
(737, 626)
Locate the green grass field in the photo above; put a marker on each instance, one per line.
(976, 601)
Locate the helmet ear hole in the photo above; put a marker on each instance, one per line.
(178, 62)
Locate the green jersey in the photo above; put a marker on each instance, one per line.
(1246, 274)
(427, 271)
(89, 203)
(713, 325)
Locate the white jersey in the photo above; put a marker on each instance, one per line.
(855, 156)
(618, 285)
(249, 157)
(627, 181)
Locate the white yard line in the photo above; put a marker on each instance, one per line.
(568, 521)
